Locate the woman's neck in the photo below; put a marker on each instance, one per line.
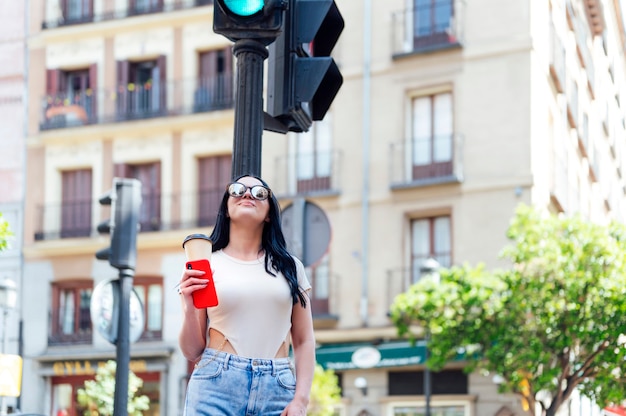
(244, 245)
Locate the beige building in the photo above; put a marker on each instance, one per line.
(451, 113)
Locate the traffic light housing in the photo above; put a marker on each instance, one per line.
(303, 79)
(125, 201)
(248, 19)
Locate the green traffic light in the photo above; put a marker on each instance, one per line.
(244, 7)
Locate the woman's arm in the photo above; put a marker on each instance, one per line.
(303, 340)
(192, 337)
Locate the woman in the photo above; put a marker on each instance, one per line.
(263, 306)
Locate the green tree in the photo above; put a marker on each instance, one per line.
(98, 395)
(552, 322)
(5, 233)
(325, 393)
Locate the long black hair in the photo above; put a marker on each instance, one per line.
(272, 241)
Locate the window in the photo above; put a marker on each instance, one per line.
(146, 6)
(412, 382)
(430, 237)
(142, 88)
(215, 80)
(314, 160)
(70, 97)
(77, 11)
(150, 292)
(71, 319)
(320, 279)
(446, 382)
(432, 23)
(76, 203)
(149, 174)
(432, 136)
(214, 172)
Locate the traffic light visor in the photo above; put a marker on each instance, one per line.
(244, 7)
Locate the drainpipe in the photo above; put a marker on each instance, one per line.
(367, 44)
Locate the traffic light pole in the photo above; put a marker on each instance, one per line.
(120, 404)
(248, 107)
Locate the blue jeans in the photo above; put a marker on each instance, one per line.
(223, 384)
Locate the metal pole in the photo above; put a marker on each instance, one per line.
(248, 107)
(5, 313)
(120, 404)
(427, 379)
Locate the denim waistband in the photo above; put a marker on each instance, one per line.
(271, 365)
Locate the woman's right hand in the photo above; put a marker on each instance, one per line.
(190, 281)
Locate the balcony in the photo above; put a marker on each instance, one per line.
(159, 212)
(133, 102)
(431, 27)
(307, 174)
(426, 161)
(79, 16)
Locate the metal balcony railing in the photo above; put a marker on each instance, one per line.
(428, 26)
(158, 212)
(425, 161)
(307, 174)
(134, 101)
(79, 16)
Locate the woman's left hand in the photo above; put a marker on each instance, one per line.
(295, 408)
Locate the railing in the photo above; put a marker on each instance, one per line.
(425, 161)
(430, 27)
(307, 174)
(158, 213)
(133, 101)
(85, 16)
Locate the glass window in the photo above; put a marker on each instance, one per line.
(71, 319)
(432, 140)
(430, 237)
(150, 292)
(314, 157)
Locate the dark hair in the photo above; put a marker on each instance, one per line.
(272, 241)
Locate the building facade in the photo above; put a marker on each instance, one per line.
(13, 78)
(451, 114)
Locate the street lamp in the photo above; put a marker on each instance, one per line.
(8, 300)
(428, 270)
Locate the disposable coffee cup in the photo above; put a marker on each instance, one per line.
(198, 247)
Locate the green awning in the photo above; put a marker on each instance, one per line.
(392, 354)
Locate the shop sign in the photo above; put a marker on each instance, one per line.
(79, 368)
(10, 375)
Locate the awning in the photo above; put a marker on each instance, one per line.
(615, 410)
(392, 354)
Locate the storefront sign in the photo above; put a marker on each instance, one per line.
(76, 368)
(10, 375)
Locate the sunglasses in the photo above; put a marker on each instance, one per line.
(259, 192)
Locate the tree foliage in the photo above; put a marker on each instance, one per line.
(325, 392)
(5, 233)
(98, 395)
(552, 322)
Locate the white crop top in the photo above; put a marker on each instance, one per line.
(254, 310)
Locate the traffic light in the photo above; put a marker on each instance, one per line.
(125, 201)
(303, 79)
(248, 19)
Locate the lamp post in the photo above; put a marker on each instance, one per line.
(8, 300)
(428, 270)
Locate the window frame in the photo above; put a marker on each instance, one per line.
(145, 282)
(57, 337)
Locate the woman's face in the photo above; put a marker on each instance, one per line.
(246, 207)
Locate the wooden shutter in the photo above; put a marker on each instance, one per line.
(92, 98)
(213, 174)
(123, 70)
(162, 65)
(76, 203)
